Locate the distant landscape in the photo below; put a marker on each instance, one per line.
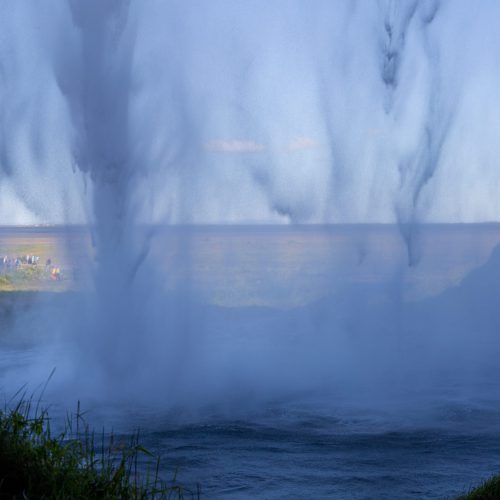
(282, 266)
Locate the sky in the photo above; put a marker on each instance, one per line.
(255, 111)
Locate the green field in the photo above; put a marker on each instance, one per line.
(59, 247)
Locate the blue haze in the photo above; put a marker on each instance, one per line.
(130, 116)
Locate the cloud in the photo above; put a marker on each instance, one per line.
(234, 146)
(300, 143)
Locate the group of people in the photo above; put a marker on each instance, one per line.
(8, 264)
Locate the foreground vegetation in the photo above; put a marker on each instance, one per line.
(489, 490)
(34, 463)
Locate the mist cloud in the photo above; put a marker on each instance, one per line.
(234, 146)
(219, 77)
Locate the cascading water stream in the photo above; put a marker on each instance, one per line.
(138, 116)
(288, 241)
